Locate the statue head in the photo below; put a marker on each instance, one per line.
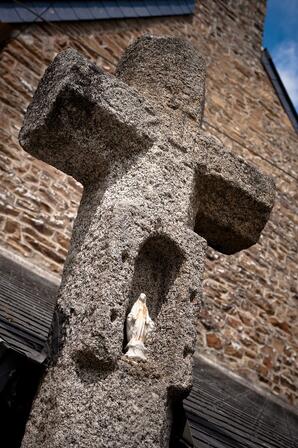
(142, 297)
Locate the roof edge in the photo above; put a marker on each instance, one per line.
(256, 388)
(59, 11)
(279, 88)
(47, 275)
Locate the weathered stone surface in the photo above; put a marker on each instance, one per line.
(242, 110)
(179, 92)
(83, 127)
(213, 340)
(136, 231)
(232, 200)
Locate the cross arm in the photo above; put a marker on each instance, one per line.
(232, 199)
(81, 118)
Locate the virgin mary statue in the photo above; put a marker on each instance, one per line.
(138, 326)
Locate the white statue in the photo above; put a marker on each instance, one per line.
(138, 326)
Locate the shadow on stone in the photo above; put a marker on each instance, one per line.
(57, 335)
(156, 267)
(176, 414)
(91, 369)
(228, 217)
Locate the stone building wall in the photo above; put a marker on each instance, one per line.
(248, 319)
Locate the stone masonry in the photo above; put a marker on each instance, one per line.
(155, 190)
(248, 318)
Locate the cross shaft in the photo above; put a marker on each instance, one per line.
(156, 191)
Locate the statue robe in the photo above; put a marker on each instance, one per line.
(139, 324)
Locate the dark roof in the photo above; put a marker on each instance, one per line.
(279, 88)
(27, 303)
(57, 11)
(224, 413)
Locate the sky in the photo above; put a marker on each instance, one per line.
(281, 39)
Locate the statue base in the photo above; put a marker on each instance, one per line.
(136, 351)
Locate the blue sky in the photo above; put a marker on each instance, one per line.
(281, 39)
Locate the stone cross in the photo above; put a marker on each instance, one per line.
(156, 192)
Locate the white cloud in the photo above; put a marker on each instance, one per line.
(285, 57)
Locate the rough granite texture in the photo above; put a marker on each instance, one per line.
(155, 189)
(248, 320)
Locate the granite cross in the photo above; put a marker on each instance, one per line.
(156, 192)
